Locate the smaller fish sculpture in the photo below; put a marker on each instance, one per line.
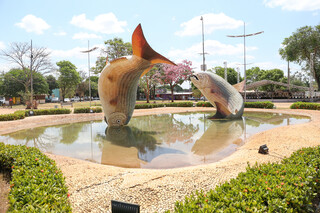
(118, 82)
(225, 97)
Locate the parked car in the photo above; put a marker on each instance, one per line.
(66, 99)
(2, 100)
(55, 100)
(157, 98)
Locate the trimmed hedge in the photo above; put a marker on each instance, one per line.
(263, 104)
(290, 186)
(87, 110)
(13, 116)
(170, 104)
(37, 185)
(204, 104)
(48, 111)
(305, 105)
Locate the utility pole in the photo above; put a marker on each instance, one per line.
(31, 76)
(288, 76)
(238, 70)
(225, 71)
(311, 76)
(203, 66)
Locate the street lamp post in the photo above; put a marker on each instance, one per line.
(244, 53)
(225, 71)
(88, 51)
(203, 67)
(238, 70)
(31, 75)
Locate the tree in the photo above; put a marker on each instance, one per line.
(231, 74)
(299, 45)
(52, 82)
(273, 75)
(148, 81)
(253, 74)
(68, 79)
(13, 87)
(116, 48)
(20, 54)
(174, 75)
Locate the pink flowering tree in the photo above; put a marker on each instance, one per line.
(174, 75)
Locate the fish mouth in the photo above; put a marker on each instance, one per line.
(194, 76)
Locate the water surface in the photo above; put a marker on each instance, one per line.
(154, 141)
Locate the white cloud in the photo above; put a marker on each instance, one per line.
(104, 23)
(295, 5)
(34, 24)
(212, 47)
(85, 36)
(211, 22)
(61, 33)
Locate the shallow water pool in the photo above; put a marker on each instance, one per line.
(154, 141)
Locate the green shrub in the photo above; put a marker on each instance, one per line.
(170, 104)
(48, 111)
(305, 105)
(87, 110)
(37, 185)
(204, 104)
(290, 186)
(263, 104)
(13, 116)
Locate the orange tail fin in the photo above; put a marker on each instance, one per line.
(142, 49)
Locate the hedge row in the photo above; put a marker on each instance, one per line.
(171, 104)
(204, 104)
(48, 111)
(263, 104)
(305, 105)
(87, 110)
(13, 116)
(37, 185)
(290, 186)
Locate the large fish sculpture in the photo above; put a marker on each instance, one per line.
(119, 80)
(225, 97)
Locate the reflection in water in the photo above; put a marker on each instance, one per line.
(214, 140)
(129, 147)
(156, 141)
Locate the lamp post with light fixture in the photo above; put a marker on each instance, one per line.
(88, 51)
(244, 53)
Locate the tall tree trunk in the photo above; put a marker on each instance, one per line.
(172, 87)
(147, 91)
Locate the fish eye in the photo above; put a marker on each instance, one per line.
(195, 77)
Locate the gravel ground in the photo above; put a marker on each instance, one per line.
(93, 186)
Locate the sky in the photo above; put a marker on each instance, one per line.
(172, 28)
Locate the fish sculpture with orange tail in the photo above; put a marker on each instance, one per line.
(224, 96)
(119, 80)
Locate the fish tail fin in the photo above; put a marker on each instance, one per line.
(141, 48)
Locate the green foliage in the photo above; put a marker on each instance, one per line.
(52, 82)
(204, 104)
(21, 114)
(117, 48)
(87, 110)
(305, 105)
(290, 186)
(300, 44)
(16, 81)
(69, 78)
(231, 74)
(273, 75)
(13, 116)
(37, 185)
(263, 104)
(172, 104)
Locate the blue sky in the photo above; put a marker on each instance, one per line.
(172, 28)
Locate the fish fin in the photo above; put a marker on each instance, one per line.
(118, 59)
(239, 86)
(141, 48)
(146, 71)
